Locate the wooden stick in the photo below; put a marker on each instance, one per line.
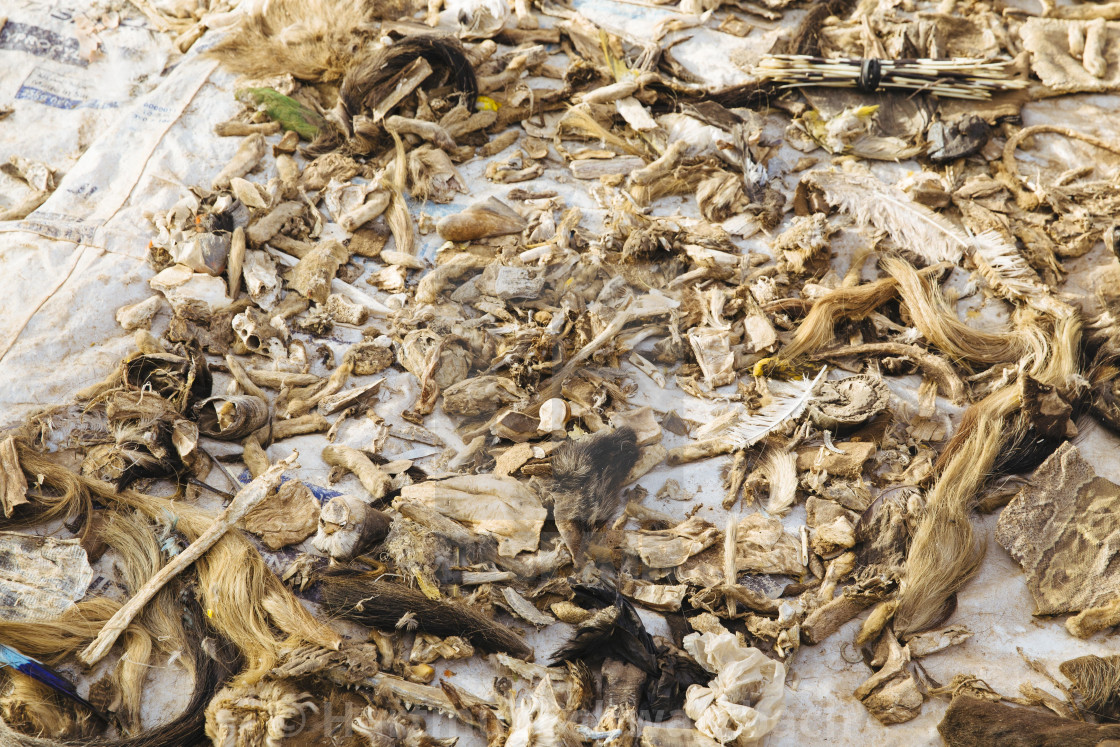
(245, 500)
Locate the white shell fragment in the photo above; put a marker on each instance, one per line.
(139, 315)
(554, 414)
(179, 284)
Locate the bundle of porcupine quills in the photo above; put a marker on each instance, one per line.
(513, 384)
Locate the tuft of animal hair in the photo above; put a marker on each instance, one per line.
(779, 465)
(312, 40)
(1097, 680)
(246, 603)
(945, 552)
(587, 475)
(816, 331)
(186, 730)
(361, 86)
(365, 599)
(781, 409)
(938, 323)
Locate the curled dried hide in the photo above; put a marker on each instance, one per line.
(288, 517)
(844, 404)
(349, 527)
(745, 700)
(230, 418)
(586, 477)
(480, 395)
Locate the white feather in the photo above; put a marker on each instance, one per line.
(871, 202)
(783, 407)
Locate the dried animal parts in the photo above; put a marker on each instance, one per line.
(586, 478)
(363, 598)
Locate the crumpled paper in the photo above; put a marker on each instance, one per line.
(745, 700)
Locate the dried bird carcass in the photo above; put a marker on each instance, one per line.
(386, 728)
(260, 714)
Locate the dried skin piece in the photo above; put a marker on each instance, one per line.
(287, 518)
(433, 177)
(480, 221)
(41, 577)
(669, 548)
(1045, 529)
(980, 722)
(480, 395)
(499, 507)
(891, 694)
(451, 364)
(13, 483)
(745, 700)
(763, 546)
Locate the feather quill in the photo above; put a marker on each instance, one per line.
(10, 657)
(758, 426)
